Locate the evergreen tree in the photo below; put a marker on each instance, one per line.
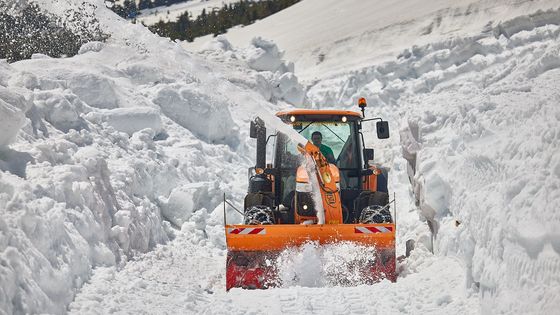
(218, 21)
(130, 9)
(34, 31)
(145, 4)
(159, 3)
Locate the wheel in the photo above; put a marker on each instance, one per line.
(376, 214)
(378, 198)
(259, 215)
(373, 207)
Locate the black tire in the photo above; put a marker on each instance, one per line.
(378, 198)
(375, 214)
(372, 201)
(259, 215)
(258, 199)
(259, 209)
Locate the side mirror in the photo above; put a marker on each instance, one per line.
(382, 129)
(368, 155)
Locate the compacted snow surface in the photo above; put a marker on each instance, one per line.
(113, 162)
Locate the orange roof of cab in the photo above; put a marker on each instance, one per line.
(297, 112)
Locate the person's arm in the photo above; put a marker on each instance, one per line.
(329, 155)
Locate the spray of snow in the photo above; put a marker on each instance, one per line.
(330, 265)
(311, 168)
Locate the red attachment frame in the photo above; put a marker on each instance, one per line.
(256, 270)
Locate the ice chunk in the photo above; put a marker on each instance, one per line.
(218, 43)
(289, 89)
(185, 200)
(129, 120)
(205, 116)
(95, 90)
(12, 116)
(60, 109)
(264, 55)
(91, 46)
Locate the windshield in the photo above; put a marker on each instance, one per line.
(334, 139)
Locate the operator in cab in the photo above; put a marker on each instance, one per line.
(317, 139)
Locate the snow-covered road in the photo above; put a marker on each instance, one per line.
(114, 161)
(185, 277)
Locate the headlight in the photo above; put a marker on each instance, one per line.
(303, 187)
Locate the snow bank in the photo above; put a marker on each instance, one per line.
(264, 55)
(102, 147)
(330, 37)
(11, 120)
(183, 201)
(205, 115)
(480, 134)
(272, 76)
(128, 120)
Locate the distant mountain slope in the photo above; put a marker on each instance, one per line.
(327, 37)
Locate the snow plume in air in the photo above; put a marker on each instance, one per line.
(330, 265)
(28, 29)
(272, 122)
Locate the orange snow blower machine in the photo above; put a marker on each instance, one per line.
(321, 191)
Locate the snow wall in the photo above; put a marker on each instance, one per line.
(480, 132)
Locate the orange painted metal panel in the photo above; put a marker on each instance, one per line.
(281, 236)
(370, 182)
(297, 112)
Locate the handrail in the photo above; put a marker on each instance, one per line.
(234, 208)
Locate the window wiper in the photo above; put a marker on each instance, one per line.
(311, 123)
(333, 132)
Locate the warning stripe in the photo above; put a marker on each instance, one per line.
(372, 229)
(244, 231)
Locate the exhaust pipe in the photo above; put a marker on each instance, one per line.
(258, 131)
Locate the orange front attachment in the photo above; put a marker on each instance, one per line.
(253, 250)
(281, 236)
